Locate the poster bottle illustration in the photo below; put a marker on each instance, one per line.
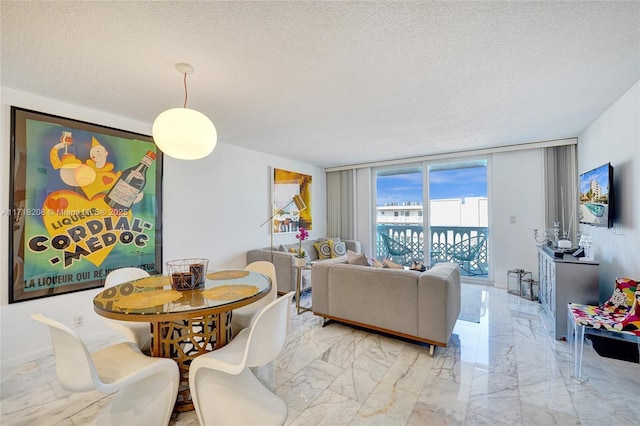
(129, 185)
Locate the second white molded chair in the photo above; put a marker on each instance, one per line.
(146, 387)
(136, 332)
(243, 317)
(225, 391)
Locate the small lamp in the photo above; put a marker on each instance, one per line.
(184, 133)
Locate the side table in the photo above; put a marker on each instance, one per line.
(300, 309)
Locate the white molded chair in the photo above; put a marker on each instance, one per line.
(243, 317)
(145, 387)
(136, 332)
(225, 391)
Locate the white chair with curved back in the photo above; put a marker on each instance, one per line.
(244, 316)
(145, 387)
(225, 391)
(136, 332)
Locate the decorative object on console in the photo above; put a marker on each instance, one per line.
(184, 133)
(545, 238)
(585, 244)
(565, 242)
(187, 274)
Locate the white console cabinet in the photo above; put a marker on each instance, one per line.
(562, 280)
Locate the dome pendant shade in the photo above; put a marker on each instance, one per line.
(184, 134)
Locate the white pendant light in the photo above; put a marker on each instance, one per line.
(184, 133)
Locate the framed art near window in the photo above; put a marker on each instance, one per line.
(286, 184)
(85, 199)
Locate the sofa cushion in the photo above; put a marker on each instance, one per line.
(308, 246)
(389, 264)
(338, 248)
(354, 258)
(324, 249)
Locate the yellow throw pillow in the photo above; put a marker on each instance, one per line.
(324, 249)
(389, 264)
(338, 248)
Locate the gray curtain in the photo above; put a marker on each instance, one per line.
(561, 187)
(340, 204)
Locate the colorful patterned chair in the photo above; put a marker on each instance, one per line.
(617, 318)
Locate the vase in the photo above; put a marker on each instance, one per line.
(300, 261)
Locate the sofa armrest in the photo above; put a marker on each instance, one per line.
(283, 263)
(320, 282)
(438, 301)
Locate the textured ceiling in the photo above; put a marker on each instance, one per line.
(333, 83)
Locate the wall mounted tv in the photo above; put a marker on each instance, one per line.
(596, 197)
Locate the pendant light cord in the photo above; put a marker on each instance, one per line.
(185, 90)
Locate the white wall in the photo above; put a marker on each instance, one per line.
(615, 137)
(230, 190)
(517, 191)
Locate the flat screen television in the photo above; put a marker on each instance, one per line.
(596, 196)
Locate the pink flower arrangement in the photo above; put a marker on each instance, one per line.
(301, 235)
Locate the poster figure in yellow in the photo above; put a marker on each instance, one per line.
(94, 176)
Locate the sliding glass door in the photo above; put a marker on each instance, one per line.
(399, 214)
(454, 225)
(459, 215)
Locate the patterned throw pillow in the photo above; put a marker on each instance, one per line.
(324, 249)
(354, 258)
(621, 300)
(338, 248)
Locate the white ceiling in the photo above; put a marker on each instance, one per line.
(333, 83)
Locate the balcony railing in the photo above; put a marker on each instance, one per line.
(443, 238)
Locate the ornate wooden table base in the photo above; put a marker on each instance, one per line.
(184, 324)
(184, 340)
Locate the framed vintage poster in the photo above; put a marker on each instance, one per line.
(289, 216)
(85, 199)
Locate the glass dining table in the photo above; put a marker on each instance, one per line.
(184, 324)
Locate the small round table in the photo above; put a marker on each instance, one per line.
(184, 324)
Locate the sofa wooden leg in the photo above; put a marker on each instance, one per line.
(432, 350)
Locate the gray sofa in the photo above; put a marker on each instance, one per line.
(283, 260)
(422, 306)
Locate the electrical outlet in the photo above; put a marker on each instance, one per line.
(512, 219)
(78, 321)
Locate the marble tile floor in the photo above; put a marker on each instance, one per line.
(505, 370)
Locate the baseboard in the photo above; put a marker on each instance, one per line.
(46, 351)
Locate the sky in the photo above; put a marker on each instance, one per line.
(601, 174)
(456, 183)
